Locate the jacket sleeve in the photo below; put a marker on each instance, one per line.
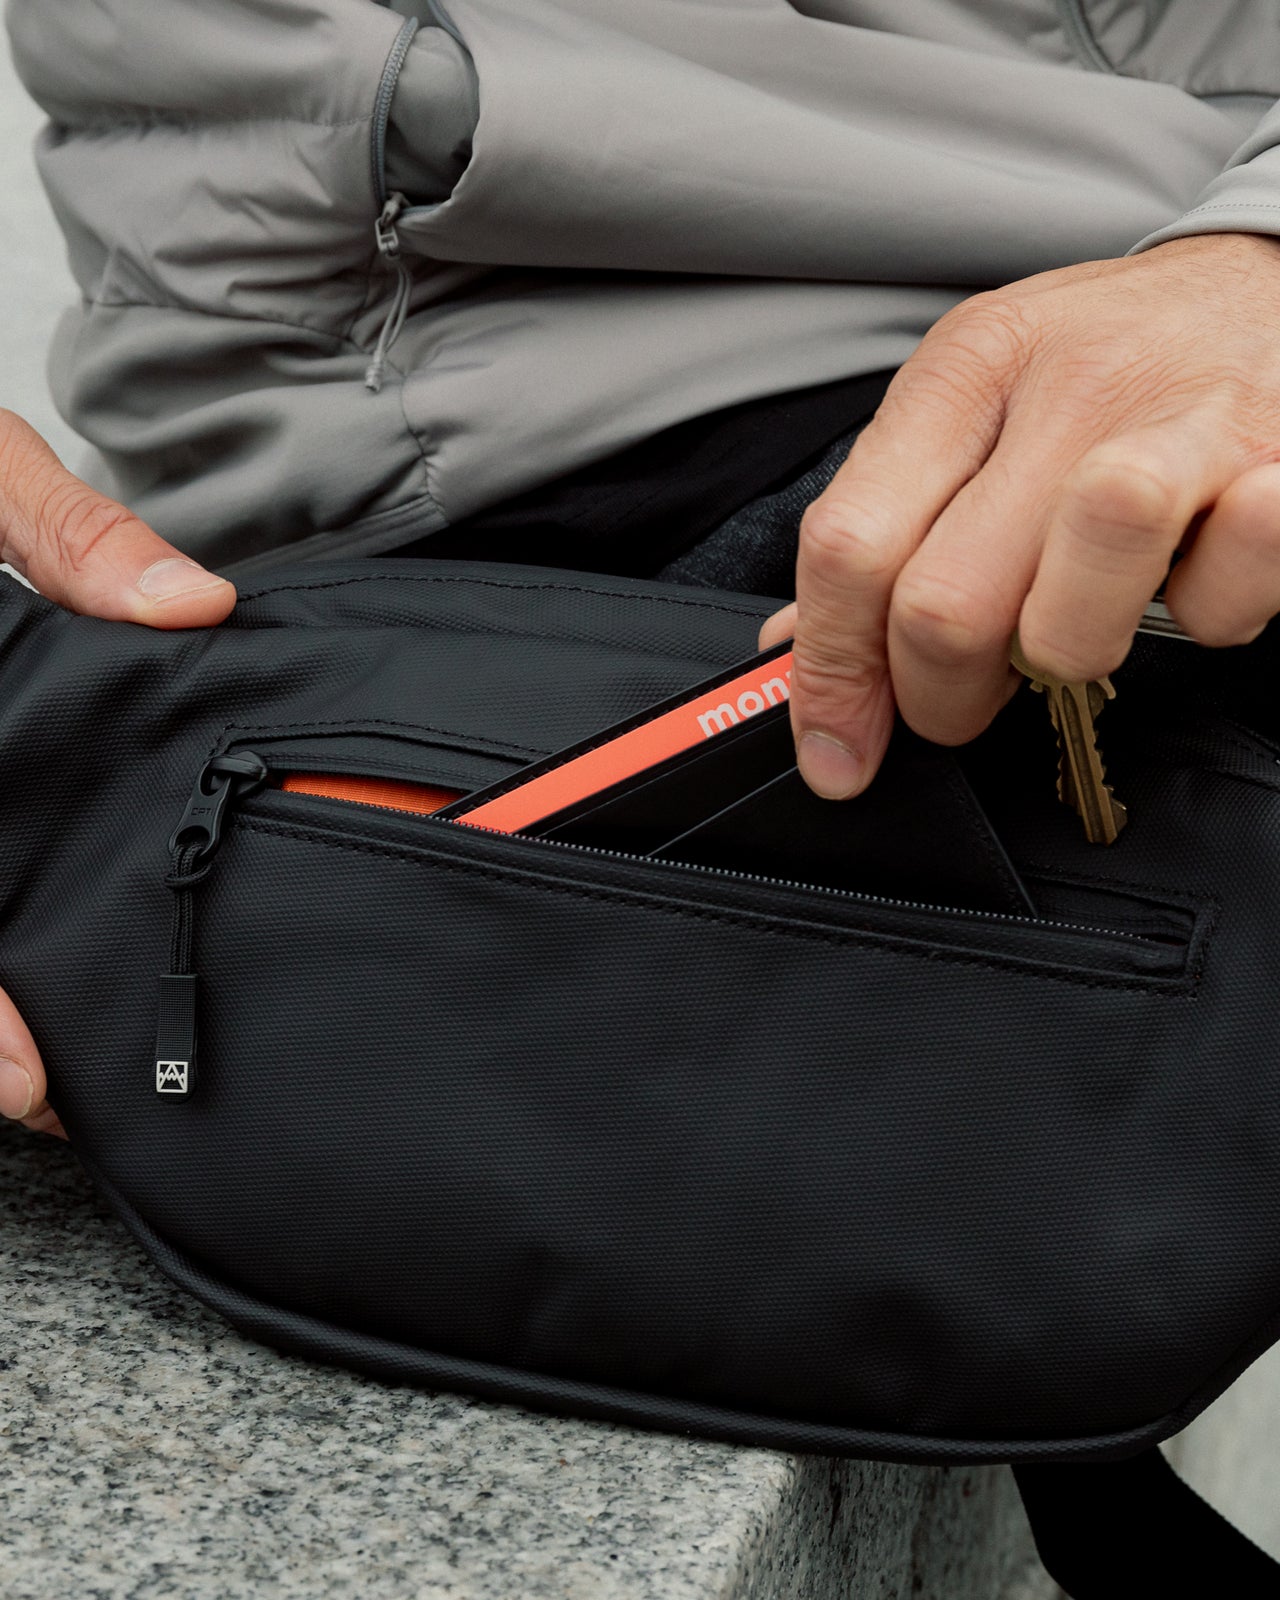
(1243, 198)
(751, 139)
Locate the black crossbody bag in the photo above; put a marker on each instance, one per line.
(686, 1145)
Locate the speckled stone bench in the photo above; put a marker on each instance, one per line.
(147, 1450)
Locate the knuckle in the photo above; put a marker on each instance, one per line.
(822, 676)
(1072, 660)
(15, 432)
(1219, 635)
(1124, 491)
(75, 522)
(947, 618)
(982, 335)
(1215, 625)
(988, 323)
(842, 542)
(1250, 509)
(966, 365)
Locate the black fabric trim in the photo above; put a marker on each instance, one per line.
(633, 512)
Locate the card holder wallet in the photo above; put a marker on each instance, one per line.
(919, 826)
(738, 803)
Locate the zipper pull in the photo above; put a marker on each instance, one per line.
(206, 811)
(387, 239)
(223, 780)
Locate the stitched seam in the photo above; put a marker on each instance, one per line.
(186, 124)
(774, 928)
(495, 583)
(1157, 894)
(1205, 909)
(340, 341)
(349, 725)
(1227, 205)
(418, 439)
(88, 304)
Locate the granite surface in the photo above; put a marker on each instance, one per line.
(147, 1450)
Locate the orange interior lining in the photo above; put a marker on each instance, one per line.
(419, 797)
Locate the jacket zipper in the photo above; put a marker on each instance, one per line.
(386, 238)
(388, 241)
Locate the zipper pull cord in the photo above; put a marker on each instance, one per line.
(182, 877)
(192, 846)
(388, 242)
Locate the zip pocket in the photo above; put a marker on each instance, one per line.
(1101, 935)
(380, 767)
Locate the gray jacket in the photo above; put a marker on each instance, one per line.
(621, 213)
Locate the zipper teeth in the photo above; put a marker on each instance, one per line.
(1003, 918)
(826, 889)
(382, 105)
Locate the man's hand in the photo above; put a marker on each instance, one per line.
(1035, 465)
(90, 555)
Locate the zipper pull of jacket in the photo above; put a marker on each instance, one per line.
(388, 242)
(223, 781)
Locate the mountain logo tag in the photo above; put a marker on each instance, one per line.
(171, 1077)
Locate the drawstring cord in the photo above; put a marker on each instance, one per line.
(388, 241)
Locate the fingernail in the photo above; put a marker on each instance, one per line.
(175, 575)
(828, 766)
(16, 1089)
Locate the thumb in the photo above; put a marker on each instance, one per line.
(88, 553)
(774, 629)
(22, 1080)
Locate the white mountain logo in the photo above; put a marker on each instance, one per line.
(171, 1077)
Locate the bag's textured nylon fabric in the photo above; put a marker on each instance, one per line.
(627, 1137)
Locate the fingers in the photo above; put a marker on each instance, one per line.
(1117, 519)
(956, 602)
(1227, 588)
(22, 1080)
(1069, 557)
(88, 553)
(928, 438)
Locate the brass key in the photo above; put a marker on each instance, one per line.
(1082, 785)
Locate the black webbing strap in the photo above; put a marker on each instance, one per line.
(1123, 1530)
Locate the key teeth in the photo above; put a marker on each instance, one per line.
(1105, 818)
(1113, 813)
(1112, 824)
(1112, 819)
